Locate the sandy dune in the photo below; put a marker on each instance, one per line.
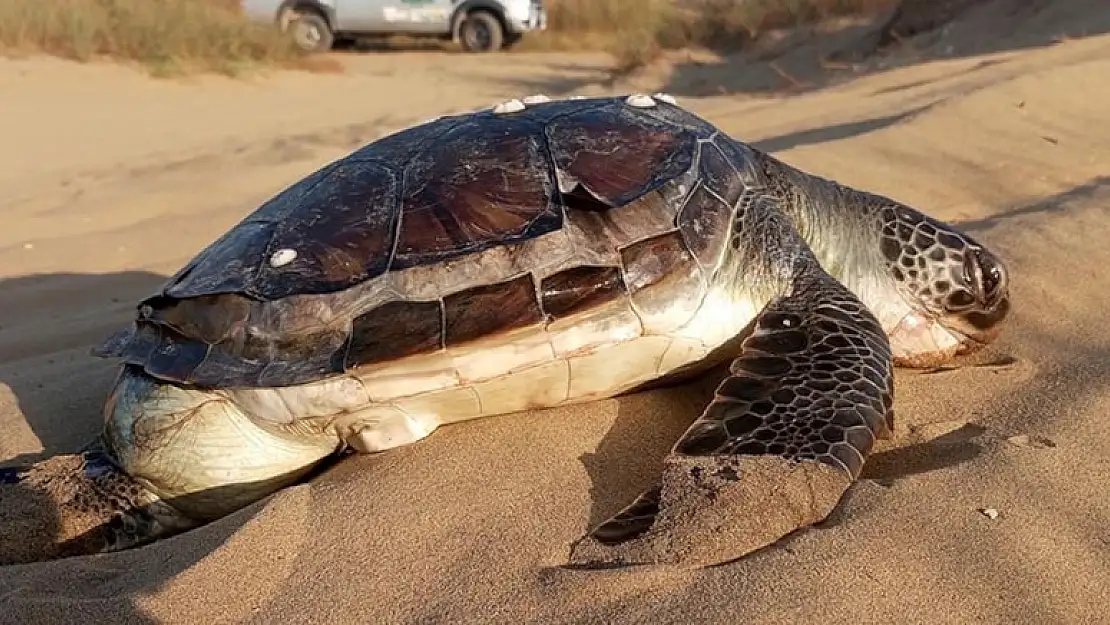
(111, 181)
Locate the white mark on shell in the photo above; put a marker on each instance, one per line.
(786, 322)
(666, 97)
(282, 257)
(640, 101)
(538, 98)
(509, 106)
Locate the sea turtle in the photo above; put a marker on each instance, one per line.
(532, 254)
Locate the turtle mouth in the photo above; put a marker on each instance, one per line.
(977, 328)
(969, 343)
(923, 340)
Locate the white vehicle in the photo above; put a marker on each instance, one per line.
(478, 25)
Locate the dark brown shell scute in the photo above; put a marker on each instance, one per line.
(221, 368)
(142, 341)
(641, 218)
(719, 175)
(681, 117)
(342, 236)
(618, 155)
(229, 264)
(580, 288)
(724, 190)
(652, 260)
(491, 309)
(176, 357)
(394, 330)
(208, 318)
(485, 184)
(244, 360)
(164, 352)
(443, 234)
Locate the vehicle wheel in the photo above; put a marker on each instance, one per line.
(311, 32)
(511, 40)
(481, 32)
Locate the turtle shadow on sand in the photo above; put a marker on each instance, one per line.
(630, 456)
(102, 588)
(48, 323)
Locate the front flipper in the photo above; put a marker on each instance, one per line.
(784, 437)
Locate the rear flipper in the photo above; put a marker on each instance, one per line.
(77, 504)
(783, 439)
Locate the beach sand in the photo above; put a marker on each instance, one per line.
(111, 181)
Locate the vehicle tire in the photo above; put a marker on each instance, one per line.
(481, 31)
(311, 33)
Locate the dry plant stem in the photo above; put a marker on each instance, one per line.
(166, 37)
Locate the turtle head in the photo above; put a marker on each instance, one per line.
(955, 291)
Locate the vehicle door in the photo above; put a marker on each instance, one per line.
(393, 16)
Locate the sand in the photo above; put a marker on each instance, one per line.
(112, 180)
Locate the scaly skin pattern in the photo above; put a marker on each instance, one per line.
(644, 243)
(936, 291)
(94, 506)
(872, 283)
(813, 383)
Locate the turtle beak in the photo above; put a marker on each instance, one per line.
(990, 282)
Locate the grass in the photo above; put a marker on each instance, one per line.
(636, 31)
(170, 37)
(167, 37)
